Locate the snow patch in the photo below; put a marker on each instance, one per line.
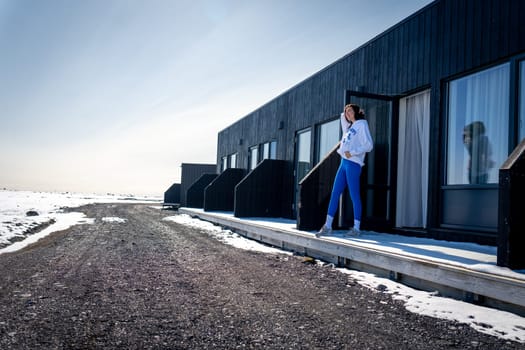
(224, 235)
(497, 323)
(17, 226)
(114, 219)
(63, 221)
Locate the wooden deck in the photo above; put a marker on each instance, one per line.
(465, 274)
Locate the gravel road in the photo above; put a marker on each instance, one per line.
(154, 284)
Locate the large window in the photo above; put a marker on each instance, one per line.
(478, 127)
(522, 102)
(328, 137)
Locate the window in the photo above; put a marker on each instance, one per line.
(522, 102)
(329, 134)
(478, 114)
(303, 164)
(254, 157)
(233, 160)
(224, 163)
(273, 150)
(270, 150)
(266, 150)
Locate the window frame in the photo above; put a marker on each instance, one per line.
(519, 104)
(318, 155)
(445, 108)
(232, 160)
(255, 148)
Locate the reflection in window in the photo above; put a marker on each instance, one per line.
(478, 111)
(522, 102)
(224, 163)
(328, 137)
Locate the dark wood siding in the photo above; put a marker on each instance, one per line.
(195, 194)
(315, 189)
(511, 239)
(189, 174)
(444, 40)
(264, 192)
(172, 194)
(219, 194)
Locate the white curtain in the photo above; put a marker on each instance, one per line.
(412, 181)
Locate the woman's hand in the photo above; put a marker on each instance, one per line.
(347, 154)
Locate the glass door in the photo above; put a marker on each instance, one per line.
(377, 173)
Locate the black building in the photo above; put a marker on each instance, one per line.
(190, 174)
(444, 94)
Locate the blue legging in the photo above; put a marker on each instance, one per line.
(347, 175)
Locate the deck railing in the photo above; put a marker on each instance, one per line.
(314, 192)
(267, 191)
(195, 193)
(219, 194)
(511, 215)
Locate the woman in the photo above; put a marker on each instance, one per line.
(355, 143)
(480, 152)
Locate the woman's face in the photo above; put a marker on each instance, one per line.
(349, 114)
(467, 137)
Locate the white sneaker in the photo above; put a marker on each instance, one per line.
(353, 232)
(324, 231)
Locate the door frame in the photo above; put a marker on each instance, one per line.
(388, 222)
(295, 163)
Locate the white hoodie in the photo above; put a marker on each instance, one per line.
(356, 140)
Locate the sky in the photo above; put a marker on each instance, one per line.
(111, 96)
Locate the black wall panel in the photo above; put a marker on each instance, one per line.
(219, 194)
(445, 39)
(195, 194)
(190, 172)
(264, 191)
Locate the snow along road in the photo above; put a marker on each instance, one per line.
(136, 281)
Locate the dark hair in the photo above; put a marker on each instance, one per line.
(358, 112)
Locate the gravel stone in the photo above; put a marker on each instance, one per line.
(151, 284)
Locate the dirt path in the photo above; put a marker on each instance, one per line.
(154, 284)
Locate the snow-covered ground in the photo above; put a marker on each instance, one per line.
(14, 222)
(17, 226)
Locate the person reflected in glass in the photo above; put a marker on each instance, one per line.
(480, 153)
(354, 145)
